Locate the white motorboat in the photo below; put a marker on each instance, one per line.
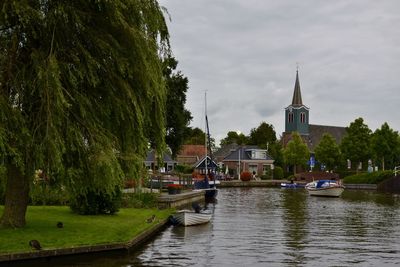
(189, 217)
(326, 188)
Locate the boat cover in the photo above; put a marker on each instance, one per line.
(321, 182)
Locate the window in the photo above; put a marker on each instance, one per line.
(302, 117)
(258, 154)
(253, 168)
(290, 117)
(266, 169)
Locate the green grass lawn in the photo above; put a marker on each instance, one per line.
(78, 230)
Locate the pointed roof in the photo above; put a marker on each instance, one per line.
(297, 101)
(201, 163)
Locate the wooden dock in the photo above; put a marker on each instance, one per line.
(180, 200)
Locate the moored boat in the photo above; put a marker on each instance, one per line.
(292, 185)
(188, 217)
(327, 188)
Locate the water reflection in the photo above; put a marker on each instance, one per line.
(294, 214)
(274, 227)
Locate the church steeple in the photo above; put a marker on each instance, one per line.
(296, 115)
(297, 101)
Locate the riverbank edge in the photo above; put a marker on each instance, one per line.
(277, 183)
(136, 241)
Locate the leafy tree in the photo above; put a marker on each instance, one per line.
(177, 116)
(275, 150)
(328, 152)
(263, 136)
(296, 152)
(356, 143)
(386, 146)
(195, 136)
(234, 137)
(80, 84)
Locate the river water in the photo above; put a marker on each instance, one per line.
(275, 227)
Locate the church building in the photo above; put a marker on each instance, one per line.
(297, 120)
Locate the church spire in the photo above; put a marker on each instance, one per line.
(297, 101)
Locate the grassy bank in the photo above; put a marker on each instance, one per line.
(78, 230)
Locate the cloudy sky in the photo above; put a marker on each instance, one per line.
(245, 53)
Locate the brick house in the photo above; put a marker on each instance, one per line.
(249, 158)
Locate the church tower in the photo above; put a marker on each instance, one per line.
(296, 114)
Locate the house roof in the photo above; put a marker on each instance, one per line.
(151, 157)
(201, 163)
(317, 131)
(193, 150)
(315, 135)
(225, 150)
(245, 154)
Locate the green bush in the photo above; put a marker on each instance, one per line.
(41, 193)
(278, 173)
(184, 169)
(265, 177)
(2, 184)
(368, 178)
(140, 200)
(95, 202)
(291, 177)
(287, 174)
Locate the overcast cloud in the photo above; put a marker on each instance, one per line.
(244, 53)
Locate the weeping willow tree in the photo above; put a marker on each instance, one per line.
(80, 87)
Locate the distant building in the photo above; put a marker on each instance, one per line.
(152, 164)
(200, 165)
(297, 120)
(191, 154)
(224, 151)
(249, 158)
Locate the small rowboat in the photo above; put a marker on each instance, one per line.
(188, 217)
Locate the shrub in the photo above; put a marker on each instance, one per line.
(2, 184)
(93, 202)
(291, 177)
(265, 177)
(184, 168)
(140, 200)
(278, 173)
(42, 193)
(368, 178)
(129, 183)
(175, 186)
(245, 176)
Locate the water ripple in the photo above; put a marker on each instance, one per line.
(264, 226)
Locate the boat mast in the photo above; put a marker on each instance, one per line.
(205, 133)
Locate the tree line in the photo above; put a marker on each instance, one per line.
(359, 148)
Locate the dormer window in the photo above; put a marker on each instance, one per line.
(258, 154)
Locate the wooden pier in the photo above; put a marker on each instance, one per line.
(180, 200)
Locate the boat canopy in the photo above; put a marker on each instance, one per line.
(322, 182)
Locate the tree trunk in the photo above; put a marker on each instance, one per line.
(383, 163)
(16, 199)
